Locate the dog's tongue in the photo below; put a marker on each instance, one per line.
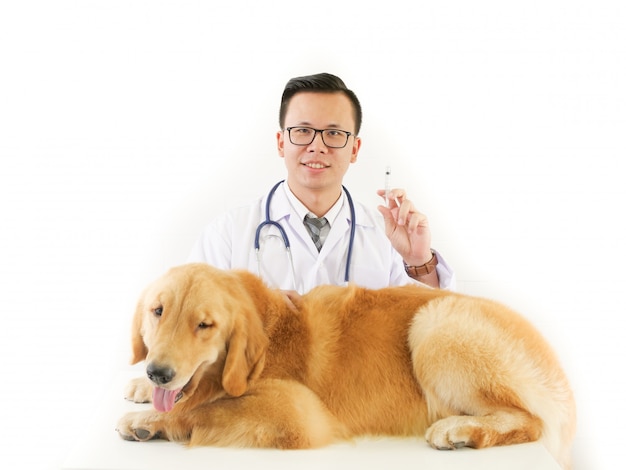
(164, 400)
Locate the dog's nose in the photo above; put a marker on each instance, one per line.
(160, 375)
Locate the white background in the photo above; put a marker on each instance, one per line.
(125, 126)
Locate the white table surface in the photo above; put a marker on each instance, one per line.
(101, 448)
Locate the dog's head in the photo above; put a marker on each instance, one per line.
(194, 318)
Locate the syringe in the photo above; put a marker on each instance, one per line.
(387, 185)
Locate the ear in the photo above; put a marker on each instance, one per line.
(139, 349)
(280, 143)
(246, 354)
(355, 149)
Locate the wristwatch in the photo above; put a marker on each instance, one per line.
(427, 268)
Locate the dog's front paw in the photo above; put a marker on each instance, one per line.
(139, 426)
(139, 390)
(450, 433)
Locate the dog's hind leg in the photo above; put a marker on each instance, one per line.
(502, 427)
(489, 378)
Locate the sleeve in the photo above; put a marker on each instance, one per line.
(447, 279)
(214, 246)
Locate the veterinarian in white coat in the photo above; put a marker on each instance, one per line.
(228, 243)
(318, 139)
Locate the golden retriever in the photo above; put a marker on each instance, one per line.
(230, 362)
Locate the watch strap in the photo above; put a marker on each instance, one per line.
(426, 268)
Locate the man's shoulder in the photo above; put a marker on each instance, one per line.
(238, 213)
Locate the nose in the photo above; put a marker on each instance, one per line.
(160, 375)
(318, 141)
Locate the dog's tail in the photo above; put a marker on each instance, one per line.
(557, 410)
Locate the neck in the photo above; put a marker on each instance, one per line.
(317, 201)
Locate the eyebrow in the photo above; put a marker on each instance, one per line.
(329, 126)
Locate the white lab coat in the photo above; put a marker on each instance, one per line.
(228, 243)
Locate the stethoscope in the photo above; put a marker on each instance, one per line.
(283, 234)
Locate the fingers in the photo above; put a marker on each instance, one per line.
(403, 210)
(293, 299)
(409, 217)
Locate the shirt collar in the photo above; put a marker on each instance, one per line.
(302, 211)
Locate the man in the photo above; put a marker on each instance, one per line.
(320, 119)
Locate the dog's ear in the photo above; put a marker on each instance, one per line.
(139, 349)
(246, 353)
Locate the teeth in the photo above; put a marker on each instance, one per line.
(317, 166)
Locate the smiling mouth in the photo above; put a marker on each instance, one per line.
(315, 166)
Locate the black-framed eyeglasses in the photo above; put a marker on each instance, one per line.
(332, 138)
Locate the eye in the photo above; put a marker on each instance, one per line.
(157, 311)
(205, 325)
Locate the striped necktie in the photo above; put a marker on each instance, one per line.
(318, 229)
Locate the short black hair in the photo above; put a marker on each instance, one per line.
(319, 83)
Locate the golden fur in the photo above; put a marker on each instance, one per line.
(249, 369)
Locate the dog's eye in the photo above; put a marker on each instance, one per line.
(205, 325)
(158, 311)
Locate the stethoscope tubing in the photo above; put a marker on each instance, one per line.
(283, 234)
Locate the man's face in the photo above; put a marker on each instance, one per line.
(317, 167)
